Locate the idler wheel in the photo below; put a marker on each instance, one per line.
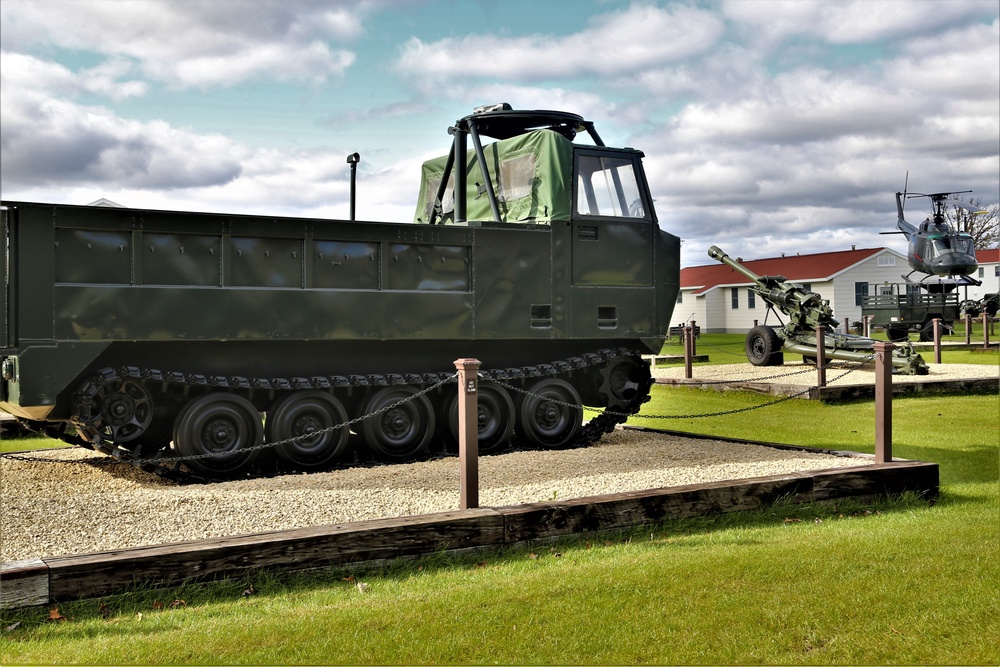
(300, 415)
(128, 415)
(398, 432)
(126, 410)
(551, 414)
(221, 425)
(496, 417)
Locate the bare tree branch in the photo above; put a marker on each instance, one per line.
(983, 224)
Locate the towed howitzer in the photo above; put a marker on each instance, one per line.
(806, 311)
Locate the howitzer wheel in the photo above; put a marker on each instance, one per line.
(220, 425)
(763, 347)
(496, 417)
(301, 415)
(550, 414)
(398, 432)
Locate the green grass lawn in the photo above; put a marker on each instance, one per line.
(901, 581)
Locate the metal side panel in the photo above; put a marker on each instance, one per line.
(5, 286)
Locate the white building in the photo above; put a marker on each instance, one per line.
(718, 299)
(988, 274)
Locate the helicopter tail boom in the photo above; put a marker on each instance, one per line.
(904, 227)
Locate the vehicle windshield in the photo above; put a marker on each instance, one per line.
(608, 186)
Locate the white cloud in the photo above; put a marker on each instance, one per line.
(48, 140)
(197, 43)
(20, 73)
(614, 44)
(961, 63)
(753, 140)
(854, 22)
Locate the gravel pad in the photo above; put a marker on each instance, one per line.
(87, 504)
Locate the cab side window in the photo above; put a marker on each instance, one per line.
(606, 186)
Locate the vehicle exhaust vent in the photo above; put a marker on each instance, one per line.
(607, 317)
(541, 316)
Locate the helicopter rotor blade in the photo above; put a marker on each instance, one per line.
(970, 208)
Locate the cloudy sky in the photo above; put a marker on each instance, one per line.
(768, 126)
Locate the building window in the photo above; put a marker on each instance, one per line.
(735, 299)
(982, 272)
(680, 297)
(860, 292)
(996, 271)
(751, 299)
(886, 260)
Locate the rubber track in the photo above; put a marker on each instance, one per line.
(86, 414)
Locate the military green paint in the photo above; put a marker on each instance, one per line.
(260, 296)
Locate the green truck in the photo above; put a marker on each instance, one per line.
(900, 308)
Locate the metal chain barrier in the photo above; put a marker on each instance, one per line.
(811, 369)
(306, 436)
(118, 453)
(159, 459)
(612, 413)
(170, 466)
(805, 391)
(716, 347)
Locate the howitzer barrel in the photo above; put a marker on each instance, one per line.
(715, 252)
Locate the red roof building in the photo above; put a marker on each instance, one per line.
(718, 299)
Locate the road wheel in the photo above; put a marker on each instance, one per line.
(496, 417)
(763, 347)
(398, 432)
(299, 416)
(551, 414)
(220, 425)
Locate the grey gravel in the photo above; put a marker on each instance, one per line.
(86, 505)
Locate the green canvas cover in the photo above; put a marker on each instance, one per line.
(531, 174)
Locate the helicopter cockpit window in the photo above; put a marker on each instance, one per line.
(964, 243)
(607, 186)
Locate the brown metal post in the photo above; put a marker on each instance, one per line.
(468, 431)
(866, 323)
(986, 331)
(883, 401)
(968, 329)
(820, 357)
(687, 352)
(694, 340)
(937, 340)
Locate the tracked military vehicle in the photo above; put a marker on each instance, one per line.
(211, 345)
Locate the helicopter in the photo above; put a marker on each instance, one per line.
(937, 249)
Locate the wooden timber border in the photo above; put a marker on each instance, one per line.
(47, 580)
(842, 392)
